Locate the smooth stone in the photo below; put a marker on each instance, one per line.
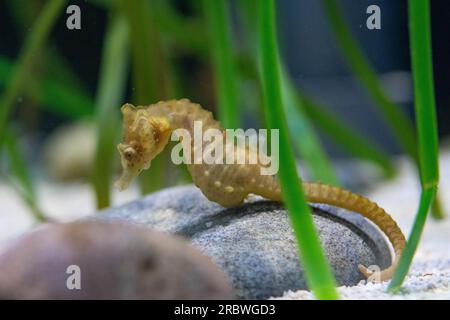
(254, 243)
(115, 261)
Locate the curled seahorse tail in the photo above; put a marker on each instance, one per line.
(383, 275)
(268, 187)
(321, 193)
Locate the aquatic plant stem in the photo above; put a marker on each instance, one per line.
(151, 81)
(111, 87)
(343, 134)
(306, 141)
(317, 271)
(21, 176)
(52, 95)
(216, 13)
(347, 137)
(357, 61)
(395, 117)
(305, 138)
(33, 43)
(424, 104)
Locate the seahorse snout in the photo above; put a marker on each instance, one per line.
(125, 179)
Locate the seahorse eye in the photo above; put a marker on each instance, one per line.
(129, 153)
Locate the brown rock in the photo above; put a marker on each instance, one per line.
(116, 261)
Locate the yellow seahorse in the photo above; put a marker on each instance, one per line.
(148, 129)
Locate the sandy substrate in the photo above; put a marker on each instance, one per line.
(429, 277)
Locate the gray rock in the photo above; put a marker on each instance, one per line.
(115, 260)
(254, 243)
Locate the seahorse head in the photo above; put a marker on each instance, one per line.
(144, 138)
